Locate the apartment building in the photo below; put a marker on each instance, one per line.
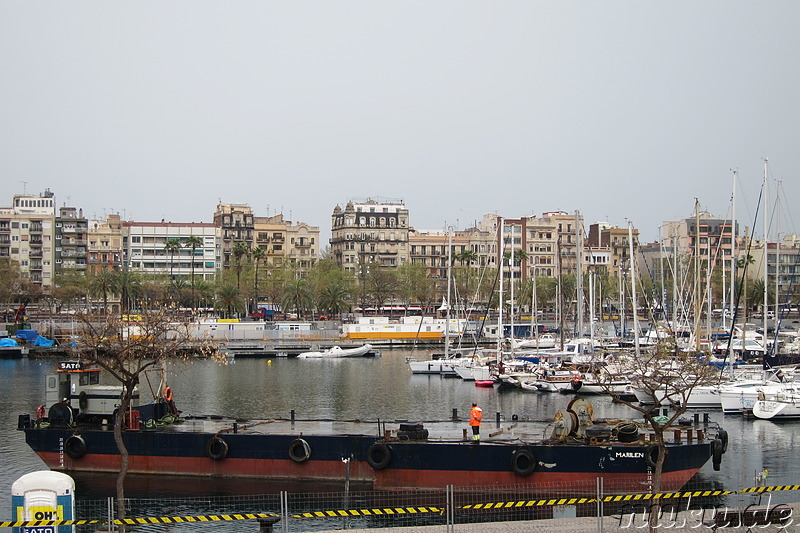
(370, 230)
(144, 246)
(71, 241)
(284, 242)
(105, 244)
(27, 236)
(237, 225)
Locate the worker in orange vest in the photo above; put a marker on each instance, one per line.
(475, 417)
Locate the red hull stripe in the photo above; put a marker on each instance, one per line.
(390, 478)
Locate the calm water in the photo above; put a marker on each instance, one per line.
(365, 388)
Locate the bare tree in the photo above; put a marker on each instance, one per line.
(126, 350)
(667, 376)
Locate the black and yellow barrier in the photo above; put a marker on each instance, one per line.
(137, 521)
(386, 511)
(394, 511)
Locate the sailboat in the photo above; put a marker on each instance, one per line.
(442, 365)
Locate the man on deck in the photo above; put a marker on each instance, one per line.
(475, 417)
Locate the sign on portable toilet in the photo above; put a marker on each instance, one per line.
(43, 495)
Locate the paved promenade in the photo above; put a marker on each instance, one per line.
(682, 523)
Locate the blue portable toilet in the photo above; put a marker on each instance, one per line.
(44, 495)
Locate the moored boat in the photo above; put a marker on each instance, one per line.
(383, 455)
(337, 351)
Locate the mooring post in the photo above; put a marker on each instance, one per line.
(265, 523)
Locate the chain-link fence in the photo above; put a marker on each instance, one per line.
(308, 511)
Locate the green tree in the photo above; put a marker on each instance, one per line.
(102, 285)
(172, 246)
(258, 255)
(229, 299)
(194, 242)
(240, 249)
(381, 284)
(128, 285)
(335, 299)
(297, 295)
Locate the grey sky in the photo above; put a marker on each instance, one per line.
(621, 110)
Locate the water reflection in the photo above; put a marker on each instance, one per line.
(368, 389)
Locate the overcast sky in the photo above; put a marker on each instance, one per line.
(619, 110)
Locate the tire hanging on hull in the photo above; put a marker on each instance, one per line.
(299, 451)
(379, 456)
(75, 446)
(216, 448)
(523, 462)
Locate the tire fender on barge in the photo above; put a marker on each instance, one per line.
(217, 448)
(523, 462)
(299, 451)
(75, 446)
(379, 455)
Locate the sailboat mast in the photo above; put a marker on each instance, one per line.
(500, 332)
(766, 252)
(579, 272)
(733, 246)
(447, 311)
(696, 303)
(633, 289)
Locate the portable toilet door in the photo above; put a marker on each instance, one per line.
(44, 495)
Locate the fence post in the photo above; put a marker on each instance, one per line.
(110, 512)
(450, 507)
(599, 505)
(284, 510)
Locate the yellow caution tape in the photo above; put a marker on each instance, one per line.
(773, 488)
(392, 511)
(42, 523)
(204, 518)
(148, 520)
(386, 511)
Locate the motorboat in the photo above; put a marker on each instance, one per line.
(337, 351)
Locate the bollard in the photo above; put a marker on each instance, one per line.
(465, 433)
(455, 414)
(265, 524)
(497, 418)
(235, 427)
(292, 415)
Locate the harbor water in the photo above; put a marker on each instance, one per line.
(356, 388)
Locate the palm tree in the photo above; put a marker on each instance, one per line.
(194, 242)
(228, 299)
(258, 255)
(101, 284)
(296, 295)
(239, 249)
(335, 299)
(172, 246)
(128, 285)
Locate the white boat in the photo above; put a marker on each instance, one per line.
(778, 402)
(545, 340)
(337, 351)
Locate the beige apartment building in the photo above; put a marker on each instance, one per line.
(27, 236)
(284, 242)
(105, 244)
(370, 230)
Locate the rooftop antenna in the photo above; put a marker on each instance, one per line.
(24, 187)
